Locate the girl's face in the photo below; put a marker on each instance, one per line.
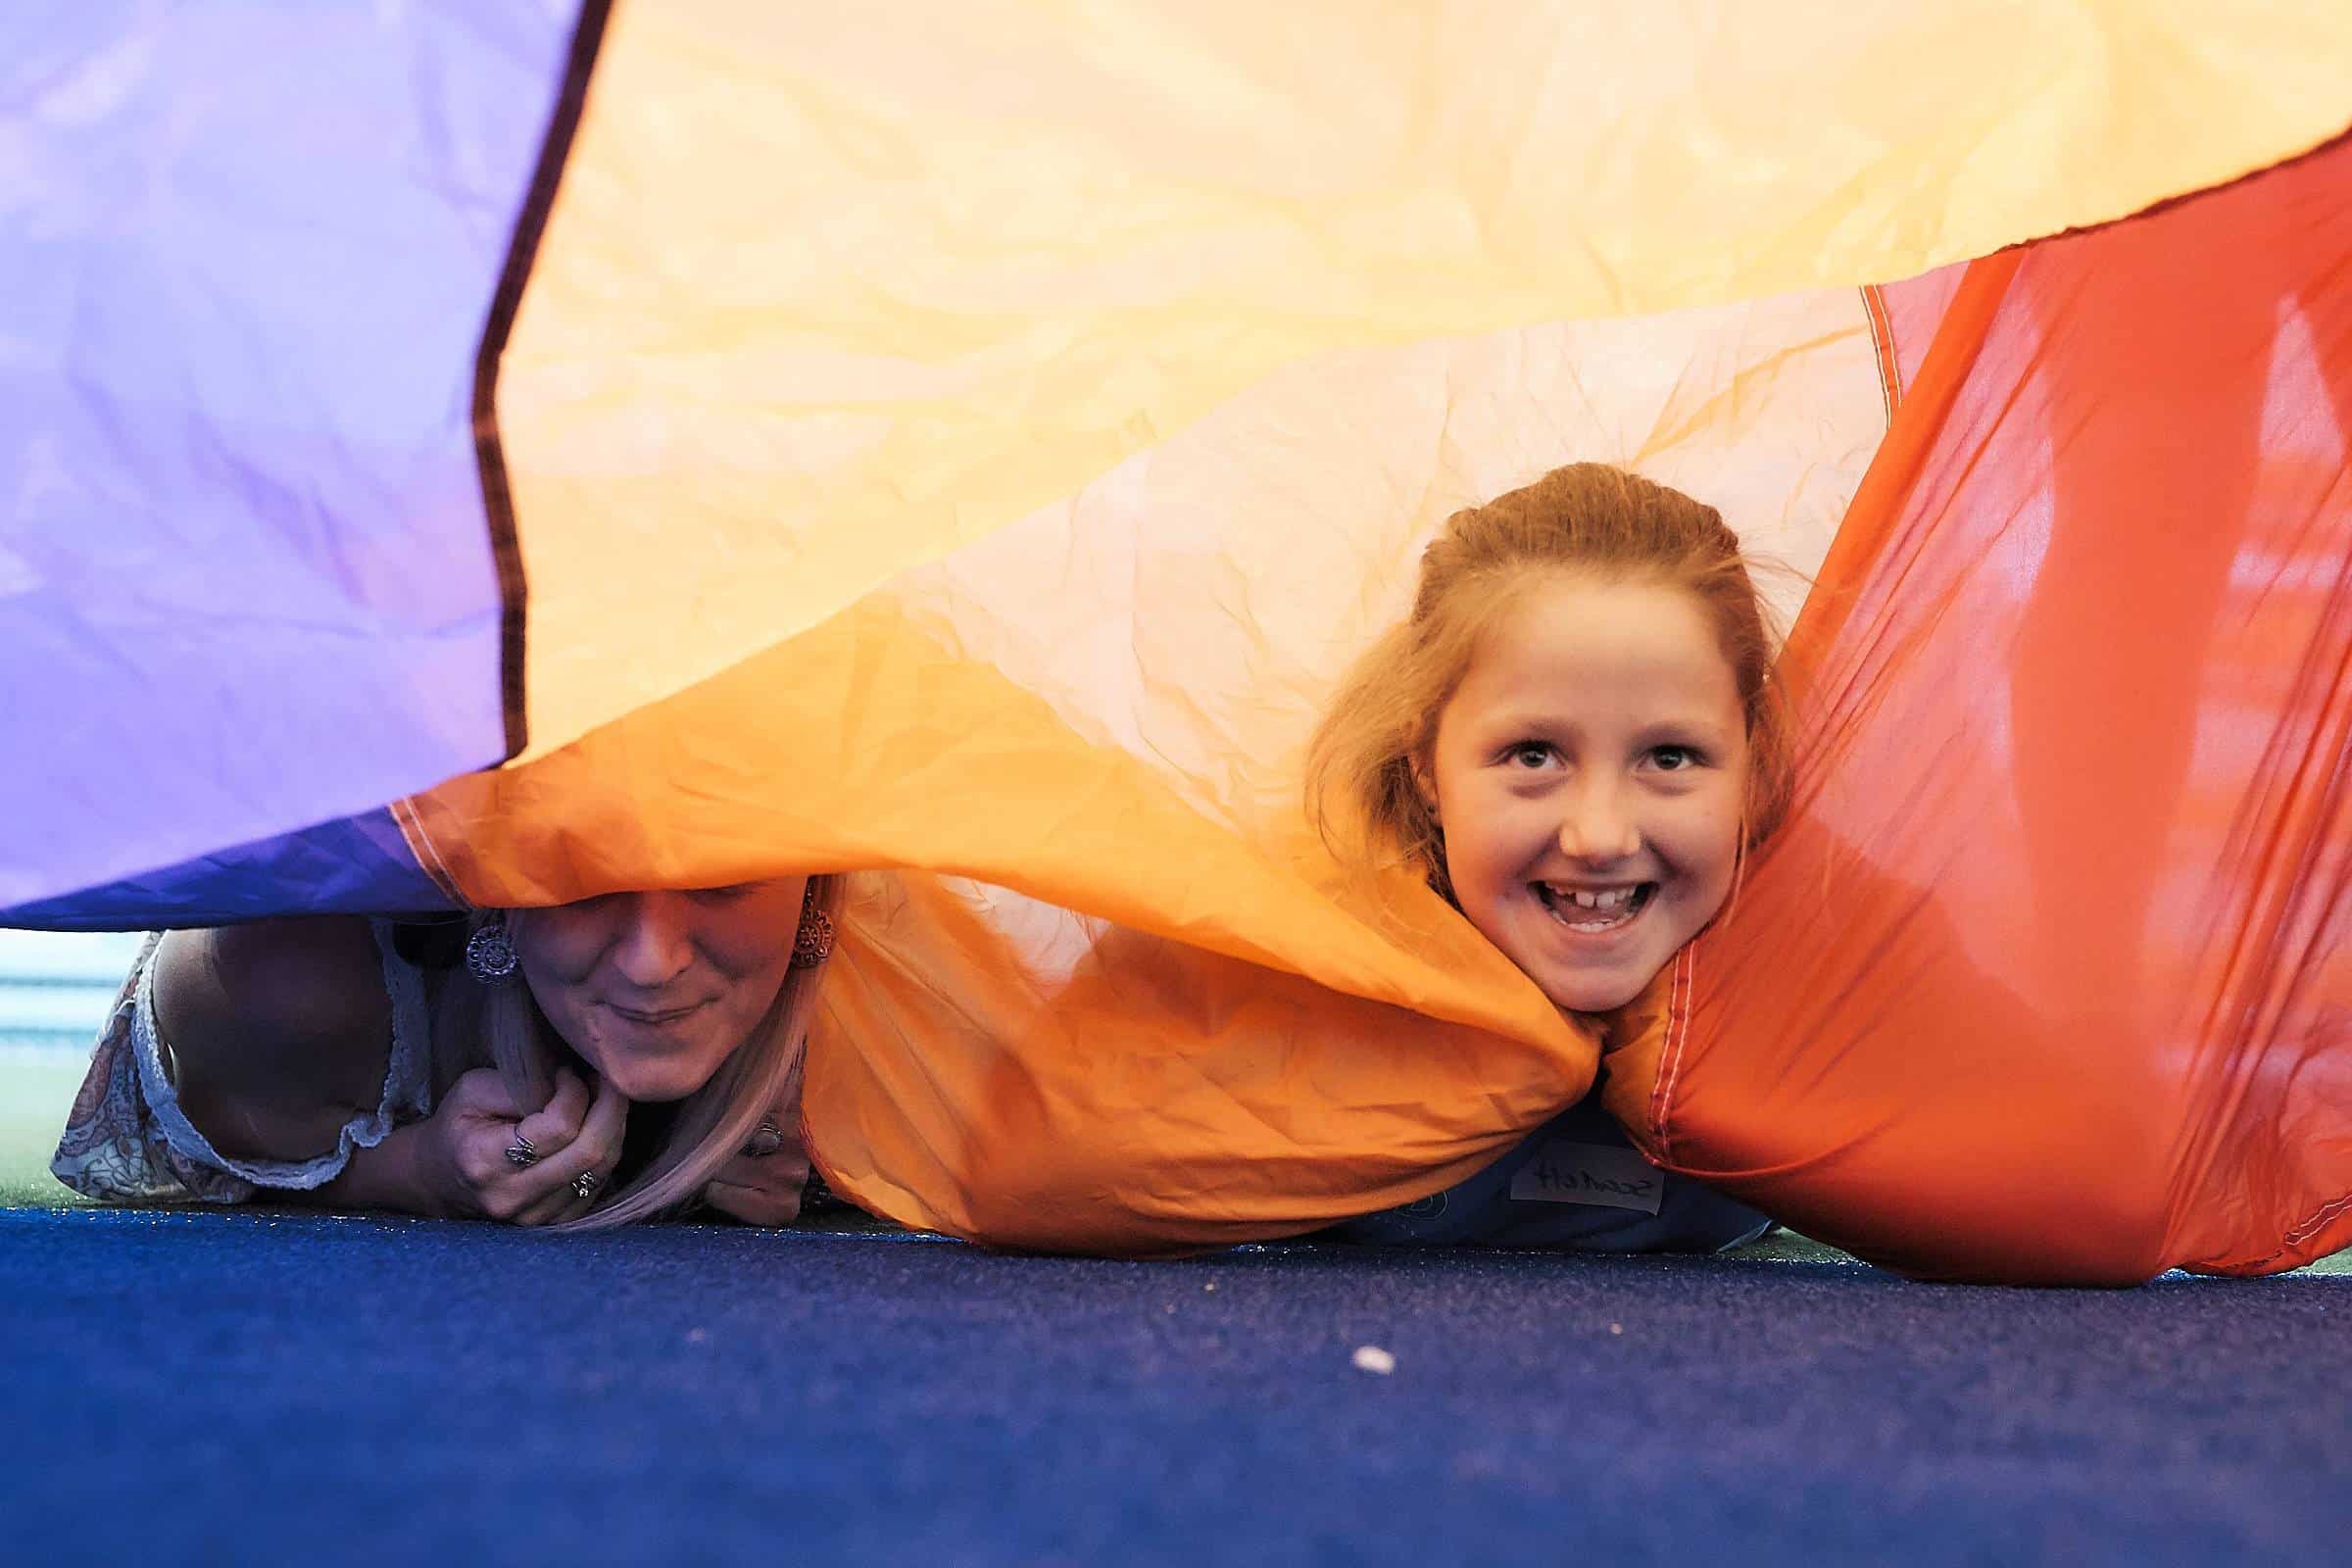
(1589, 775)
(656, 990)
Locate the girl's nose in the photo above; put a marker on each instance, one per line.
(1599, 827)
(656, 942)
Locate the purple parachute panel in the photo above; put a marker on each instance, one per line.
(246, 258)
(357, 865)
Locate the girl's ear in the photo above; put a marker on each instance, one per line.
(1425, 785)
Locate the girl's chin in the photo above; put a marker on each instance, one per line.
(1596, 997)
(1595, 987)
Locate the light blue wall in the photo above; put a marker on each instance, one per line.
(55, 988)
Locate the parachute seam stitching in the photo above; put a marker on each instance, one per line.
(1678, 1020)
(2298, 1235)
(1881, 342)
(428, 854)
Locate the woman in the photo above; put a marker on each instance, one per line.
(581, 1066)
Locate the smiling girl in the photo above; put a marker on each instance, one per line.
(584, 1065)
(1575, 738)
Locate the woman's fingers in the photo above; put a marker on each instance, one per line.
(552, 1127)
(523, 1168)
(481, 1094)
(479, 1120)
(592, 1152)
(762, 1187)
(774, 1199)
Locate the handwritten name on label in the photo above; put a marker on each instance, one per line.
(1561, 1172)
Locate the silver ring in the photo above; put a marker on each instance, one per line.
(521, 1153)
(585, 1184)
(767, 1139)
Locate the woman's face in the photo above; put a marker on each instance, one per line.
(1590, 773)
(656, 990)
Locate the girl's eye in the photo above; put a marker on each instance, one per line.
(1675, 758)
(1528, 753)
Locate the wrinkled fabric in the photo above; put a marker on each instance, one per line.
(967, 454)
(2046, 977)
(830, 292)
(1114, 993)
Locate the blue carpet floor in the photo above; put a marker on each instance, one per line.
(246, 1387)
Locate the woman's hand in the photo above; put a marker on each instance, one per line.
(468, 1155)
(762, 1184)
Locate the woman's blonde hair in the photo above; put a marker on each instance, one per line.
(711, 1124)
(1363, 789)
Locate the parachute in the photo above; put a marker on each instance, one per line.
(492, 461)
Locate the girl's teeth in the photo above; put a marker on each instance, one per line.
(1610, 907)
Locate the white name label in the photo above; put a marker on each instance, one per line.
(1562, 1172)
